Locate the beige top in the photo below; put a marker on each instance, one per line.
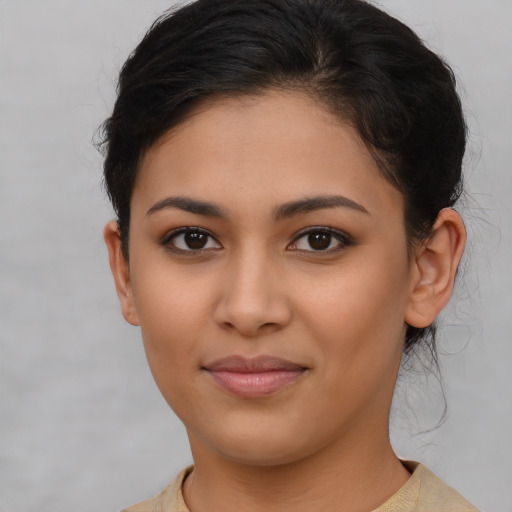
(423, 492)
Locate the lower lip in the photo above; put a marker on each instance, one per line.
(256, 384)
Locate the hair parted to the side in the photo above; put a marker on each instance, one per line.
(362, 64)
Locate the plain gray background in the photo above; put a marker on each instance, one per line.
(82, 425)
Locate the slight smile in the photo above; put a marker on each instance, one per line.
(254, 377)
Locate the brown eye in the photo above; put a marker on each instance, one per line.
(195, 240)
(192, 239)
(319, 240)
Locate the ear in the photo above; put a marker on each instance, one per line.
(121, 272)
(434, 268)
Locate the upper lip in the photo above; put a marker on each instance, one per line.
(259, 364)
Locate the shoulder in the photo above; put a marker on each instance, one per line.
(435, 492)
(425, 492)
(169, 500)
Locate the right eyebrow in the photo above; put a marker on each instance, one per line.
(189, 205)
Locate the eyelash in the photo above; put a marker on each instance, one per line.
(168, 244)
(343, 239)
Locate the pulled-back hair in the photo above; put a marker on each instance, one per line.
(362, 64)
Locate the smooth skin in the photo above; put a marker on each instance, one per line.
(298, 250)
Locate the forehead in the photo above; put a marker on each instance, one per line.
(262, 150)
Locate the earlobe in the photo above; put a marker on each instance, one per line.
(121, 272)
(434, 269)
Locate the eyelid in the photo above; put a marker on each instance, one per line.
(166, 240)
(345, 239)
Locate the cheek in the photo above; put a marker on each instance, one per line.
(174, 311)
(357, 315)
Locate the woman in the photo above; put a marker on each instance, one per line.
(283, 174)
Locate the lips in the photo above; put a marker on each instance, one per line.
(254, 377)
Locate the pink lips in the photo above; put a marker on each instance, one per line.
(256, 377)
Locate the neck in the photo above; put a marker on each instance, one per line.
(359, 473)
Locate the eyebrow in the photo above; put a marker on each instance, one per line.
(189, 205)
(284, 211)
(310, 204)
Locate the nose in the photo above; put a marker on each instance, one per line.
(253, 299)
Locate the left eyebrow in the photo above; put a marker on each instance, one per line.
(310, 204)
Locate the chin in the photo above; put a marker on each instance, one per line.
(262, 447)
(263, 458)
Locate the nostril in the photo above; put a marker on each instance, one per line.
(251, 308)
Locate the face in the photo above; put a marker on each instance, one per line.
(269, 274)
